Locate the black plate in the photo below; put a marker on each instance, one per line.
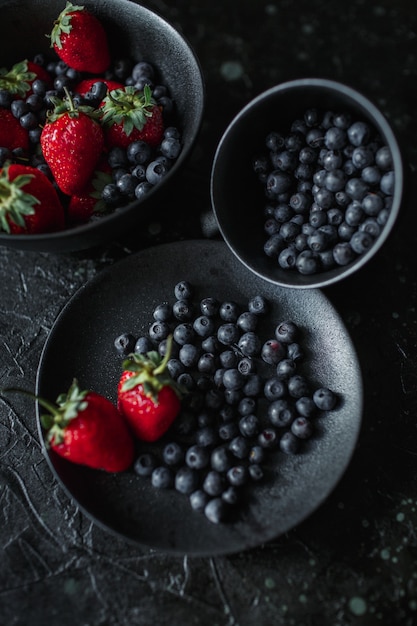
(121, 299)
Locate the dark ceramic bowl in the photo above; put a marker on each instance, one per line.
(238, 198)
(140, 34)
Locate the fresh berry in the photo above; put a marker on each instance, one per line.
(12, 134)
(29, 202)
(72, 142)
(147, 396)
(80, 40)
(85, 428)
(131, 115)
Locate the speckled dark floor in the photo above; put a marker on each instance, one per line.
(354, 561)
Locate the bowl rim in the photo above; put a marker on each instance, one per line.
(376, 117)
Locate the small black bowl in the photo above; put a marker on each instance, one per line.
(135, 32)
(238, 198)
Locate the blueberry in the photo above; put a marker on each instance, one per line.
(247, 321)
(246, 406)
(283, 212)
(249, 425)
(246, 366)
(143, 345)
(214, 398)
(206, 437)
(162, 312)
(268, 438)
(231, 495)
(228, 431)
(371, 175)
(182, 310)
(356, 188)
(289, 443)
(289, 231)
(125, 344)
(372, 226)
(203, 326)
(359, 133)
(287, 331)
(138, 152)
(256, 454)
(343, 253)
(274, 388)
(186, 480)
(159, 331)
(229, 311)
(142, 189)
(383, 158)
(183, 290)
(214, 483)
(184, 333)
(156, 171)
(175, 368)
(325, 399)
(354, 213)
(211, 344)
(250, 344)
(362, 156)
(272, 351)
(335, 181)
(387, 183)
(298, 386)
(228, 333)
(216, 510)
(285, 368)
(172, 453)
(199, 500)
(317, 219)
(110, 194)
(305, 406)
(145, 464)
(372, 204)
(278, 182)
(197, 457)
(162, 477)
(221, 459)
(256, 472)
(237, 475)
(302, 428)
(209, 306)
(186, 380)
(228, 359)
(207, 363)
(233, 379)
(335, 138)
(280, 413)
(239, 447)
(258, 305)
(170, 147)
(345, 232)
(361, 242)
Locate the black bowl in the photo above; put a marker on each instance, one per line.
(133, 31)
(238, 197)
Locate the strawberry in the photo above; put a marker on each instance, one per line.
(29, 202)
(18, 80)
(72, 142)
(147, 396)
(82, 205)
(132, 115)
(79, 39)
(12, 134)
(86, 428)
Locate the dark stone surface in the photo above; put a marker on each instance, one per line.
(354, 561)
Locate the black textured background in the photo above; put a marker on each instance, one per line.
(354, 561)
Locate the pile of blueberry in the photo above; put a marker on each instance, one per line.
(329, 183)
(133, 171)
(246, 396)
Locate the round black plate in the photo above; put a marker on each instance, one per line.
(121, 299)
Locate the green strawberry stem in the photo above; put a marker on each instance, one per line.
(62, 25)
(17, 79)
(150, 372)
(15, 202)
(67, 106)
(60, 414)
(129, 107)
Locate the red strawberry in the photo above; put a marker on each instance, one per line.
(147, 396)
(79, 39)
(86, 428)
(18, 80)
(29, 202)
(12, 134)
(132, 115)
(82, 205)
(72, 142)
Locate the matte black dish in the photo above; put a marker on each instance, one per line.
(237, 196)
(133, 31)
(121, 299)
